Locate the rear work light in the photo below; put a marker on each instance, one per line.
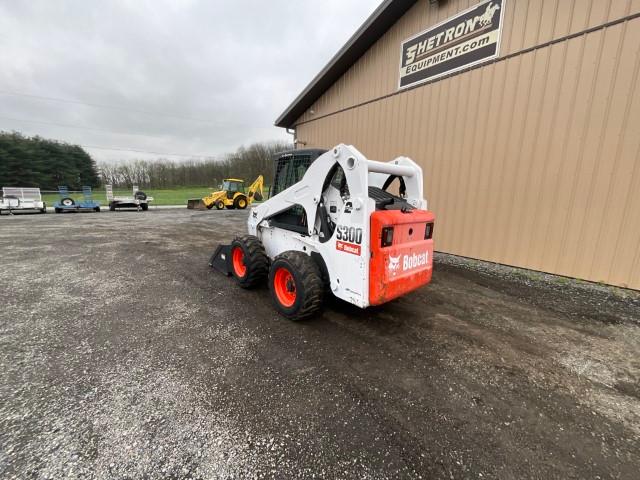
(387, 236)
(428, 231)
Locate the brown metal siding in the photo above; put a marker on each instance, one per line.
(531, 161)
(527, 23)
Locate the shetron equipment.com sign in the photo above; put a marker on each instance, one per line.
(469, 38)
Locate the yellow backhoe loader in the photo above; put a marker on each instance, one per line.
(234, 195)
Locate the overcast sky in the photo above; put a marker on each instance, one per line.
(195, 77)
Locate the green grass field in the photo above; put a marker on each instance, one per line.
(176, 196)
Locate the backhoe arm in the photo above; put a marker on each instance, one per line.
(256, 189)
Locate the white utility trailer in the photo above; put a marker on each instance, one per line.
(17, 199)
(139, 200)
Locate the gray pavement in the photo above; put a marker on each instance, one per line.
(123, 356)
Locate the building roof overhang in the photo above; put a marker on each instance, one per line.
(371, 30)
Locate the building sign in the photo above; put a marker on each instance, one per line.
(469, 38)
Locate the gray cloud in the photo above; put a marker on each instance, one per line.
(234, 64)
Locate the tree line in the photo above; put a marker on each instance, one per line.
(246, 163)
(38, 162)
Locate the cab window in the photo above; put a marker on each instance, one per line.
(232, 186)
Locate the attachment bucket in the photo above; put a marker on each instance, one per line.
(221, 258)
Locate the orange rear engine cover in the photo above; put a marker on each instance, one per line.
(407, 263)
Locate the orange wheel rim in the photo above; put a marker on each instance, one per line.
(237, 257)
(285, 287)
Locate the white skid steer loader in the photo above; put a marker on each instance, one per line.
(336, 222)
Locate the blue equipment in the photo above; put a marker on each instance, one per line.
(68, 204)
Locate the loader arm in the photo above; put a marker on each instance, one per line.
(360, 173)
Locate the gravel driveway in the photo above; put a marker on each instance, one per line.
(123, 356)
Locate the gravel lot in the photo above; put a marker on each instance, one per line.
(123, 356)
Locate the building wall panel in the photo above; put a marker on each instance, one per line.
(526, 23)
(530, 161)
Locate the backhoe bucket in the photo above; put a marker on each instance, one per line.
(195, 204)
(221, 258)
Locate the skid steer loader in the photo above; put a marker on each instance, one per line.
(336, 222)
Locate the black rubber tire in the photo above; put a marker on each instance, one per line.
(96, 209)
(44, 208)
(255, 259)
(219, 205)
(68, 202)
(210, 206)
(144, 206)
(240, 202)
(112, 207)
(140, 195)
(308, 283)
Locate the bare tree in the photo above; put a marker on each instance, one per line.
(246, 162)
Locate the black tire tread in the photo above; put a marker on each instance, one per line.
(309, 274)
(256, 261)
(236, 202)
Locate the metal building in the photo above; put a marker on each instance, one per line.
(524, 114)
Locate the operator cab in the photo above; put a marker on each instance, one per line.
(289, 168)
(233, 185)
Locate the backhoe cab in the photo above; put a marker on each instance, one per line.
(232, 185)
(335, 223)
(232, 194)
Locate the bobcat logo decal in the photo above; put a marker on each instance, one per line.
(394, 264)
(410, 262)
